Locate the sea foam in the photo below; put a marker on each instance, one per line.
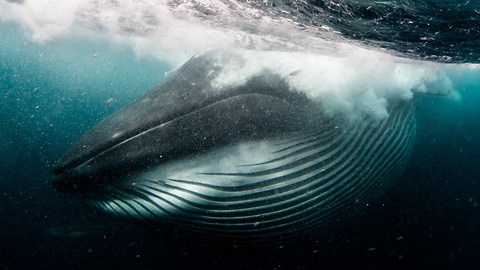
(346, 77)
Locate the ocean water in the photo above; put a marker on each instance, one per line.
(65, 65)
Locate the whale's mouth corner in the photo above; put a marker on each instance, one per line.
(71, 182)
(62, 183)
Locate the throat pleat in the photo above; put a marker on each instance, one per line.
(273, 186)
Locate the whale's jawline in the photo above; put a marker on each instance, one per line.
(275, 186)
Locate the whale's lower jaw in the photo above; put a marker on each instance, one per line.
(278, 186)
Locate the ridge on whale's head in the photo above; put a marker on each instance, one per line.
(183, 116)
(245, 160)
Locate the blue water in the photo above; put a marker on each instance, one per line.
(52, 93)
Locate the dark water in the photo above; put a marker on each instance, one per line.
(51, 93)
(438, 30)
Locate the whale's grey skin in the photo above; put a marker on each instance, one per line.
(248, 161)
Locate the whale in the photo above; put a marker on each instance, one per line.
(251, 160)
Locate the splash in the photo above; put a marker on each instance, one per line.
(345, 76)
(360, 83)
(173, 29)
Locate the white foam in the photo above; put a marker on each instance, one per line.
(346, 78)
(171, 29)
(357, 83)
(43, 19)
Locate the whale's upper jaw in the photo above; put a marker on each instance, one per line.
(184, 115)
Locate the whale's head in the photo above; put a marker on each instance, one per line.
(251, 159)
